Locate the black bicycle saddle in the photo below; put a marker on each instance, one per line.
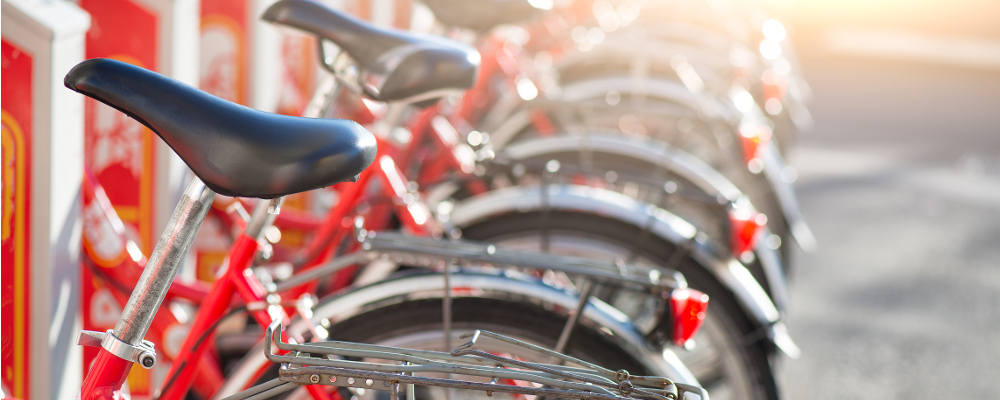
(235, 150)
(396, 65)
(482, 15)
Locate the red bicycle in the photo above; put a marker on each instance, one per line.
(188, 130)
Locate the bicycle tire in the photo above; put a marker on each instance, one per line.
(523, 321)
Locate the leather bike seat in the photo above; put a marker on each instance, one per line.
(235, 150)
(482, 15)
(395, 65)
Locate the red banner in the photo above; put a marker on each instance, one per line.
(16, 117)
(118, 149)
(224, 53)
(298, 80)
(120, 152)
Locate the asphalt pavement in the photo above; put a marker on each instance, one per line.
(900, 182)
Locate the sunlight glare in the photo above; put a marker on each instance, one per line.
(774, 30)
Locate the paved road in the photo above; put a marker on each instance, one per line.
(900, 181)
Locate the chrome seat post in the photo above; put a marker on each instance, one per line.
(163, 264)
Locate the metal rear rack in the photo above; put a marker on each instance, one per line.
(427, 252)
(346, 364)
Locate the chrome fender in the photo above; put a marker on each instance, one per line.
(651, 152)
(678, 100)
(730, 272)
(777, 281)
(660, 155)
(506, 285)
(690, 99)
(655, 52)
(599, 87)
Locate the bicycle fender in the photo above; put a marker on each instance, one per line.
(676, 161)
(683, 103)
(575, 198)
(598, 87)
(655, 153)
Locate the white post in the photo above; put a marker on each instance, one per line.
(265, 59)
(51, 34)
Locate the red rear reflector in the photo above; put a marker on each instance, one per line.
(774, 85)
(746, 227)
(754, 138)
(688, 306)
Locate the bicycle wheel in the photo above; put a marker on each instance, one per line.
(728, 364)
(417, 324)
(508, 302)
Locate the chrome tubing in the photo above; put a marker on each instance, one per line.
(163, 264)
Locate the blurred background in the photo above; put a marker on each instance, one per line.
(900, 181)
(899, 178)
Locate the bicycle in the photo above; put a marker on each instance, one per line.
(312, 22)
(114, 83)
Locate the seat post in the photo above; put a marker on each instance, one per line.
(163, 264)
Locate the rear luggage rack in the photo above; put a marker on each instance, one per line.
(334, 363)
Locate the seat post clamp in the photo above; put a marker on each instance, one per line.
(144, 354)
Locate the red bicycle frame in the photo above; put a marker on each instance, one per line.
(111, 257)
(192, 364)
